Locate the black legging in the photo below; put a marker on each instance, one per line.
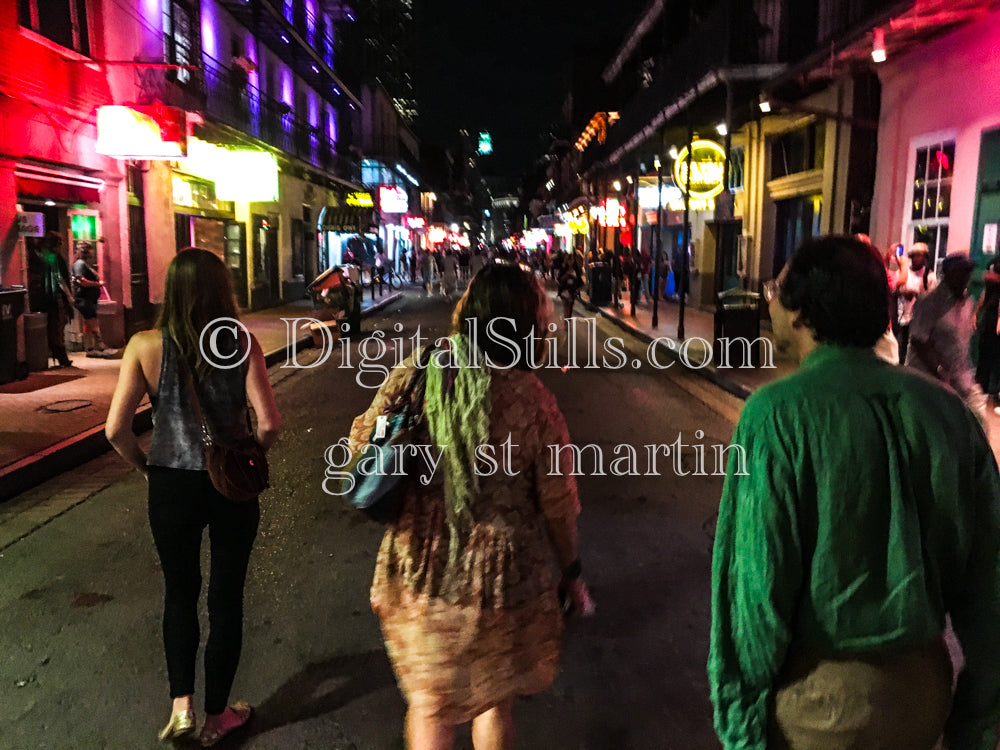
(181, 504)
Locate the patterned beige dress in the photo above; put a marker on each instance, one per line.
(465, 635)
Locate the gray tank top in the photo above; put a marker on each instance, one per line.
(177, 441)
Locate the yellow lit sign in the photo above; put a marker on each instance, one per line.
(243, 176)
(579, 225)
(708, 161)
(361, 200)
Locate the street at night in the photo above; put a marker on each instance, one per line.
(79, 623)
(466, 375)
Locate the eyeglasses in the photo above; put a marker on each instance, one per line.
(771, 290)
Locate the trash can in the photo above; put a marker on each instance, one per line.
(737, 329)
(36, 341)
(599, 284)
(11, 307)
(111, 319)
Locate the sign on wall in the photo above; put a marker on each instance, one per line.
(393, 200)
(708, 160)
(30, 224)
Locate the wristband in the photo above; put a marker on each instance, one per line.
(573, 570)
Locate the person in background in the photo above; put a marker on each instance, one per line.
(645, 269)
(164, 364)
(631, 272)
(940, 331)
(917, 281)
(467, 579)
(427, 271)
(449, 273)
(862, 508)
(569, 284)
(86, 292)
(49, 292)
(988, 328)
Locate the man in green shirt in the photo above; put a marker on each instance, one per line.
(869, 510)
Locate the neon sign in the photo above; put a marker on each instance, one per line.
(155, 132)
(243, 175)
(359, 200)
(393, 200)
(708, 161)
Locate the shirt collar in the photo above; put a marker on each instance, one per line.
(826, 354)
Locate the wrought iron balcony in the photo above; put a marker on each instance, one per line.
(232, 100)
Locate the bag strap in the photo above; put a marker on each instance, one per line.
(418, 385)
(192, 393)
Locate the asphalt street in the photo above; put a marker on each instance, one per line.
(81, 662)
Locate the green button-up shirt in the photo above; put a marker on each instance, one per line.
(869, 508)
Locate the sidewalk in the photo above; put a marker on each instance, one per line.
(738, 377)
(54, 420)
(699, 328)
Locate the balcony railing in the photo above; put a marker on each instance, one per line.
(232, 100)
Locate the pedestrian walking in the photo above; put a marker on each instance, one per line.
(49, 292)
(988, 328)
(915, 280)
(569, 284)
(449, 273)
(861, 507)
(940, 331)
(87, 285)
(465, 585)
(165, 364)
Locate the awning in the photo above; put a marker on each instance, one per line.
(344, 219)
(51, 184)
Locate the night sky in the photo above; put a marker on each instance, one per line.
(504, 67)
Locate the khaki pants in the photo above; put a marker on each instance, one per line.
(896, 700)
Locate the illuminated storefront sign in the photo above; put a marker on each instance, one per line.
(579, 225)
(436, 235)
(612, 214)
(154, 132)
(708, 161)
(415, 222)
(393, 200)
(359, 199)
(242, 175)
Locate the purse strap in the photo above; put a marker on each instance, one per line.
(417, 386)
(199, 415)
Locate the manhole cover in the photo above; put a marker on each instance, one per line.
(71, 404)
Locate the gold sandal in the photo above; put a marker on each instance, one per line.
(180, 725)
(243, 712)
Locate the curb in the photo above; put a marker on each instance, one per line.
(67, 454)
(709, 372)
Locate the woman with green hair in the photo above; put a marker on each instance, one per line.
(468, 578)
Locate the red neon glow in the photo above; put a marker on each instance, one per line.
(942, 160)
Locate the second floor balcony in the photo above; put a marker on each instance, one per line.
(230, 99)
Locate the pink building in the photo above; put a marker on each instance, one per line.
(938, 168)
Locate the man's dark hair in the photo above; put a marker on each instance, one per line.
(839, 285)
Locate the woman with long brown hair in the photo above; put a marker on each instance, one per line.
(196, 344)
(466, 580)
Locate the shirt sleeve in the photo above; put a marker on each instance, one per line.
(756, 578)
(975, 712)
(557, 490)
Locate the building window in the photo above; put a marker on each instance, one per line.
(798, 151)
(736, 167)
(61, 21)
(178, 37)
(930, 207)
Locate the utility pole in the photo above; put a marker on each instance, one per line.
(659, 237)
(687, 235)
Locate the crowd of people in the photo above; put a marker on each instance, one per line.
(862, 511)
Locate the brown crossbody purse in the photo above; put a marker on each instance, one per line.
(239, 472)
